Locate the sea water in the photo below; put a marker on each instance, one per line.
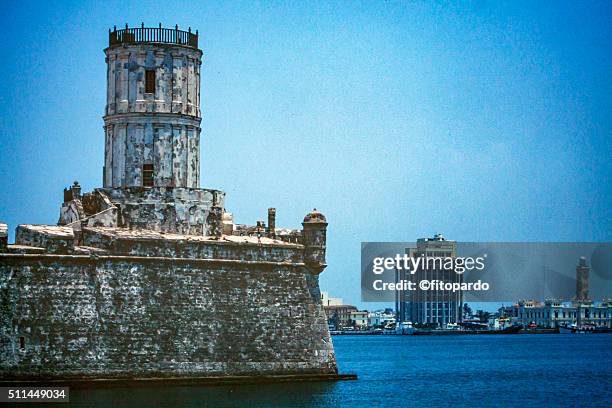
(539, 370)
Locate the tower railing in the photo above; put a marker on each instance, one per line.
(153, 35)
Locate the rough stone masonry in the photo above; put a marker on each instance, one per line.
(149, 276)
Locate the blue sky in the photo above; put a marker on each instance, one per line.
(486, 121)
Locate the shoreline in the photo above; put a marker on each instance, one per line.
(445, 332)
(178, 381)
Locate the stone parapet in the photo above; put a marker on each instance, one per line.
(152, 243)
(55, 239)
(165, 209)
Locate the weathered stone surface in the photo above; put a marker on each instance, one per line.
(152, 243)
(92, 209)
(166, 209)
(160, 128)
(25, 249)
(115, 317)
(55, 239)
(70, 212)
(315, 239)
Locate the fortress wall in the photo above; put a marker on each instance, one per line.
(137, 244)
(112, 317)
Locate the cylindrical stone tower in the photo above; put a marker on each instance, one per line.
(152, 119)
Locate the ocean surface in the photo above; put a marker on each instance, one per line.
(432, 371)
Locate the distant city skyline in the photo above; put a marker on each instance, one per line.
(482, 121)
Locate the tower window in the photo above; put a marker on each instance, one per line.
(147, 175)
(150, 81)
(22, 343)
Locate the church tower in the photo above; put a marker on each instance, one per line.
(152, 117)
(582, 280)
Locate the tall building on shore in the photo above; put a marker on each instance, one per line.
(432, 306)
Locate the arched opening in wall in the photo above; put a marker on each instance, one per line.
(147, 175)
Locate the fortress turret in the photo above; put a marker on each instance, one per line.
(314, 239)
(152, 119)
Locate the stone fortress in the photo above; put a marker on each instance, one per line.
(149, 276)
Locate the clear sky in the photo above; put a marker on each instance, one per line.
(485, 121)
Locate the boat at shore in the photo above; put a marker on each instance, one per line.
(443, 332)
(583, 329)
(404, 328)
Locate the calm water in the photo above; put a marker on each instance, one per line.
(503, 370)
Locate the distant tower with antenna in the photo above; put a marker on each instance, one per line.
(582, 280)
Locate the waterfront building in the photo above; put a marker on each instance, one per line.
(430, 307)
(339, 316)
(359, 319)
(554, 312)
(381, 318)
(330, 301)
